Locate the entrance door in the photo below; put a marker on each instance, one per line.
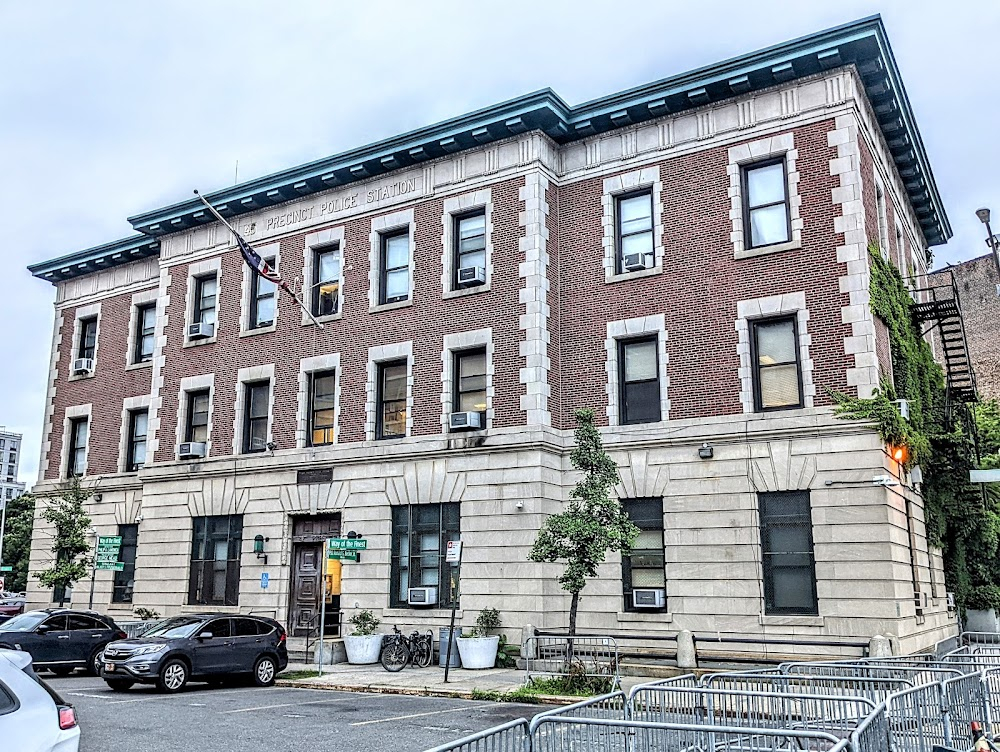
(308, 536)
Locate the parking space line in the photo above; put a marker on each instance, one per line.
(420, 715)
(283, 705)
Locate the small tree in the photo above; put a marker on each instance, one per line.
(69, 541)
(592, 524)
(17, 540)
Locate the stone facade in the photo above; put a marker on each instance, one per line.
(10, 461)
(549, 316)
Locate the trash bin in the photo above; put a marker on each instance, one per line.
(456, 660)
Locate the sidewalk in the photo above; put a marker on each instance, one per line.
(423, 681)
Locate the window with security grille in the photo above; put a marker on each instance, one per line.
(634, 228)
(145, 329)
(420, 534)
(326, 280)
(470, 383)
(125, 578)
(639, 379)
(470, 242)
(644, 568)
(88, 338)
(215, 560)
(395, 267)
(786, 543)
(262, 298)
(391, 402)
(321, 407)
(775, 357)
(766, 217)
(256, 409)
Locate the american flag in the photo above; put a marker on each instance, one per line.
(256, 263)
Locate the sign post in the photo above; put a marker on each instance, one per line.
(453, 556)
(322, 609)
(106, 558)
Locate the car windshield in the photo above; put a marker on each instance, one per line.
(24, 622)
(181, 626)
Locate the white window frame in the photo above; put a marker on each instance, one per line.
(376, 356)
(246, 288)
(761, 309)
(882, 217)
(307, 367)
(454, 206)
(388, 224)
(315, 241)
(454, 344)
(130, 405)
(85, 312)
(248, 376)
(75, 412)
(194, 384)
(635, 328)
(140, 299)
(195, 270)
(618, 185)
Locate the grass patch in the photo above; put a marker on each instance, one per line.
(298, 675)
(561, 685)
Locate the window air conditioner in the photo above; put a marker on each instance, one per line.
(951, 600)
(464, 421)
(649, 598)
(191, 450)
(422, 596)
(904, 408)
(635, 262)
(257, 444)
(83, 366)
(201, 331)
(472, 276)
(920, 601)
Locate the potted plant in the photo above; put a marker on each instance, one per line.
(479, 649)
(363, 644)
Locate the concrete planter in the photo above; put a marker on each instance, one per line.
(984, 620)
(478, 652)
(363, 649)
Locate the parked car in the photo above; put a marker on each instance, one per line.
(32, 715)
(202, 647)
(10, 606)
(61, 639)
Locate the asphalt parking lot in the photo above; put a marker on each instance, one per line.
(242, 718)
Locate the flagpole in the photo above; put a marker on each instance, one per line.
(283, 284)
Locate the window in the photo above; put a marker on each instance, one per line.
(644, 568)
(470, 383)
(777, 382)
(205, 295)
(262, 294)
(326, 281)
(787, 552)
(10, 493)
(391, 404)
(145, 328)
(765, 203)
(395, 268)
(218, 628)
(88, 338)
(640, 380)
(634, 228)
(10, 472)
(256, 398)
(883, 221)
(197, 416)
(321, 407)
(420, 534)
(470, 242)
(78, 429)
(215, 560)
(125, 579)
(138, 422)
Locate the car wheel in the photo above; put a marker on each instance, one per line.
(264, 671)
(119, 685)
(173, 676)
(61, 670)
(94, 664)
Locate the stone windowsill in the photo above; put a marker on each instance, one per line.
(306, 321)
(652, 617)
(203, 341)
(139, 366)
(466, 291)
(791, 245)
(792, 621)
(410, 613)
(82, 376)
(259, 330)
(626, 276)
(391, 306)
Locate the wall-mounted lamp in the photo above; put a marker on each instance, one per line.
(98, 497)
(899, 453)
(519, 504)
(258, 547)
(706, 451)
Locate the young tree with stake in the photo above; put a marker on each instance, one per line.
(69, 540)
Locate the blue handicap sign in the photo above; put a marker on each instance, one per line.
(264, 578)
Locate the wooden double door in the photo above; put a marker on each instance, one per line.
(308, 537)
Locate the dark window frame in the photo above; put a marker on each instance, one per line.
(72, 462)
(256, 296)
(456, 391)
(249, 420)
(745, 170)
(755, 366)
(122, 591)
(448, 527)
(203, 566)
(87, 346)
(458, 253)
(131, 465)
(144, 335)
(623, 418)
(189, 423)
(767, 568)
(328, 429)
(200, 308)
(380, 398)
(620, 235)
(318, 252)
(384, 270)
(639, 511)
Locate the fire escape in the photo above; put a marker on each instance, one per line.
(939, 306)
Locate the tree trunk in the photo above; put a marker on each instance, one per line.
(573, 605)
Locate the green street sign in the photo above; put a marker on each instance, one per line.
(6, 569)
(110, 540)
(117, 566)
(349, 544)
(344, 555)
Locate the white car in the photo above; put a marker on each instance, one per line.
(33, 718)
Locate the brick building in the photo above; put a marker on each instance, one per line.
(688, 258)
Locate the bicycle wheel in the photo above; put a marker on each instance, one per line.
(394, 657)
(422, 653)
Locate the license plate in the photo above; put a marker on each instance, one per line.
(109, 667)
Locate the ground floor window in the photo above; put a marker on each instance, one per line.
(420, 533)
(787, 552)
(644, 578)
(125, 579)
(215, 560)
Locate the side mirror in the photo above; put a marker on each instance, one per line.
(206, 636)
(42, 629)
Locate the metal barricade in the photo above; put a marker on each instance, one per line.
(980, 638)
(510, 737)
(965, 701)
(872, 734)
(589, 655)
(918, 719)
(874, 689)
(916, 674)
(611, 706)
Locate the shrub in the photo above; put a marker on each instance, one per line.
(365, 623)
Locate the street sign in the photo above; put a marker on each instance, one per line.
(106, 556)
(6, 569)
(453, 554)
(264, 579)
(343, 555)
(349, 544)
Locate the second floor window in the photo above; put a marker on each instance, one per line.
(145, 329)
(395, 268)
(326, 281)
(391, 403)
(765, 203)
(321, 408)
(197, 416)
(639, 376)
(470, 383)
(205, 295)
(777, 382)
(262, 298)
(88, 338)
(634, 217)
(138, 423)
(78, 430)
(470, 242)
(255, 417)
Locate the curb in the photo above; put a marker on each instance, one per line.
(461, 694)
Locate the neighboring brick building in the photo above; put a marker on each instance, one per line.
(689, 258)
(10, 461)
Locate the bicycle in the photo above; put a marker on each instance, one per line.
(399, 650)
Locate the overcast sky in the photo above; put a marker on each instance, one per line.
(108, 109)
